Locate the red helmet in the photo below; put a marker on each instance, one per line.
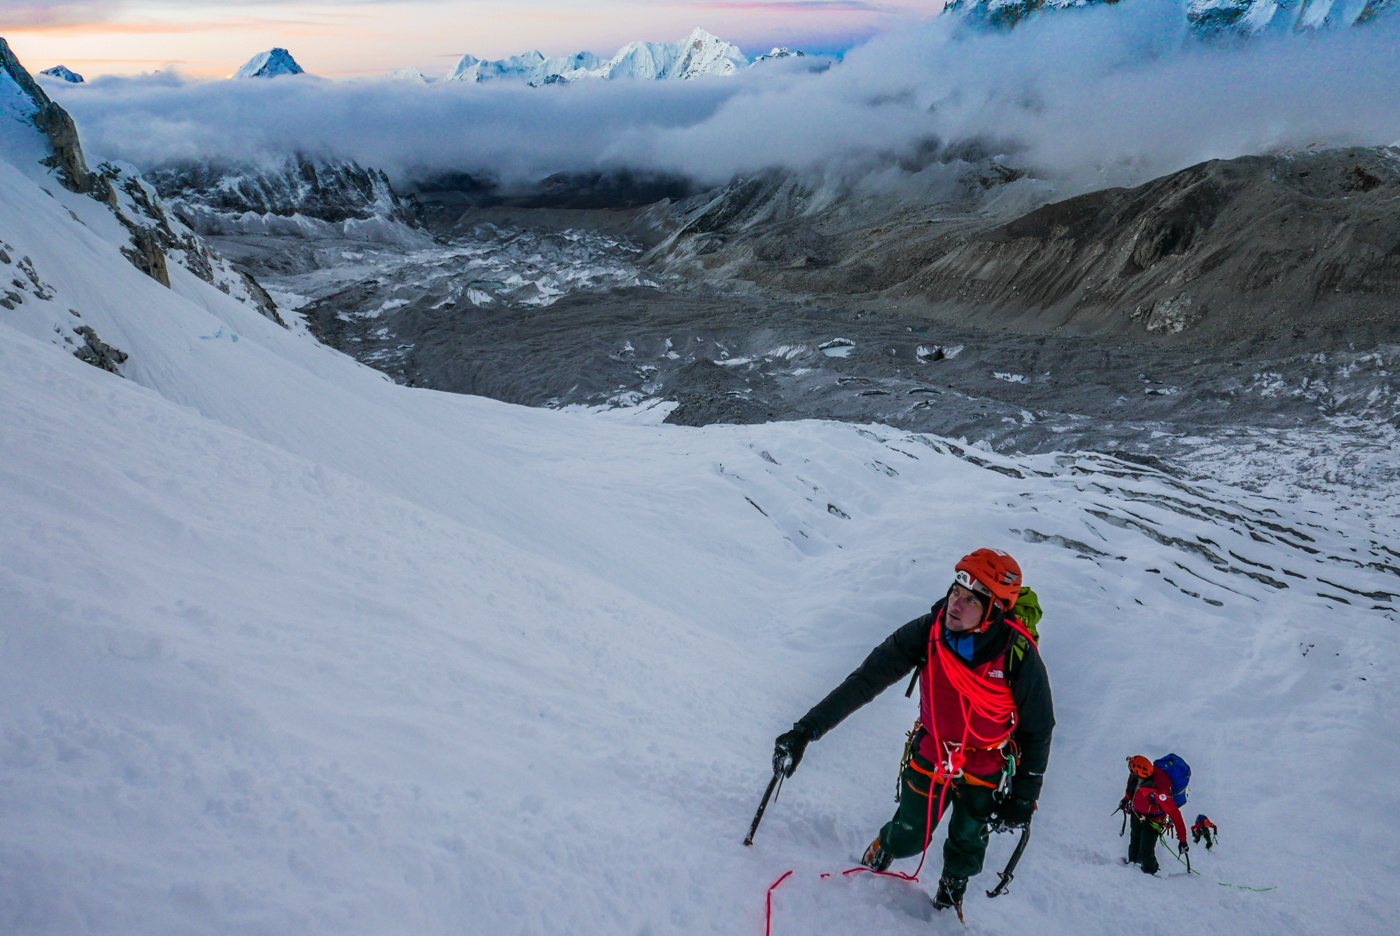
(1140, 766)
(991, 572)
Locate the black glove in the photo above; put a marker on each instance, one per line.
(1015, 812)
(789, 748)
(1182, 848)
(1125, 804)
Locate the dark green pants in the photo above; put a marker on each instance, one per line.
(968, 807)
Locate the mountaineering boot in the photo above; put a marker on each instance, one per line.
(950, 893)
(875, 857)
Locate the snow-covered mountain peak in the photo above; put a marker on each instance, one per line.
(780, 52)
(64, 73)
(410, 74)
(1206, 18)
(270, 64)
(697, 55)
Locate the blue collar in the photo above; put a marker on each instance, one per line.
(962, 644)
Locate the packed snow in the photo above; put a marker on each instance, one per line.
(290, 648)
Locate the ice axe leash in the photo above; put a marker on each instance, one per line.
(1010, 871)
(774, 785)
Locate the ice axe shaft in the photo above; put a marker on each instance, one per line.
(1010, 871)
(773, 785)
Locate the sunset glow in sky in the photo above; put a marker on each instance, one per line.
(350, 37)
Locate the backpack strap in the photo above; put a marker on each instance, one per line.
(914, 678)
(1016, 652)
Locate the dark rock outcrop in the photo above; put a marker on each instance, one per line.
(97, 352)
(156, 235)
(145, 254)
(67, 159)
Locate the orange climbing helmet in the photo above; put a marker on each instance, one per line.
(1140, 766)
(993, 573)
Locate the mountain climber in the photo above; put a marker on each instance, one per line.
(1204, 829)
(985, 719)
(1149, 804)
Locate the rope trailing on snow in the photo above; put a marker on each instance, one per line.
(976, 694)
(768, 916)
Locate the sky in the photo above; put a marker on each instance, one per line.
(337, 38)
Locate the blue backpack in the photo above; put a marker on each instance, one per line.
(1180, 773)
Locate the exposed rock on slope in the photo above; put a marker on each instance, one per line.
(147, 234)
(66, 152)
(1229, 250)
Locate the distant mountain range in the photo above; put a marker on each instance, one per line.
(699, 55)
(703, 54)
(1208, 18)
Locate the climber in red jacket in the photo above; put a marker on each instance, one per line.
(1150, 806)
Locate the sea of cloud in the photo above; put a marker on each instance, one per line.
(1091, 97)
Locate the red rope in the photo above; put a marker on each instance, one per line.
(976, 694)
(768, 919)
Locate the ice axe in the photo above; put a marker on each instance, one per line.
(1010, 871)
(780, 770)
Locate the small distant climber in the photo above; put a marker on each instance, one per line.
(1149, 804)
(1204, 829)
(984, 707)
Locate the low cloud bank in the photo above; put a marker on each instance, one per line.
(1104, 96)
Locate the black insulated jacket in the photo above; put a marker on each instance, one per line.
(907, 650)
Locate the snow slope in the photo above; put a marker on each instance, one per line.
(289, 648)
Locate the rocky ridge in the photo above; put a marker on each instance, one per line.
(148, 233)
(1250, 249)
(283, 197)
